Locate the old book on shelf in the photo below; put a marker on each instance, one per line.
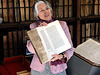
(48, 40)
(5, 15)
(24, 72)
(11, 13)
(90, 51)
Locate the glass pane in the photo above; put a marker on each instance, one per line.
(89, 1)
(54, 12)
(92, 29)
(60, 2)
(96, 10)
(11, 15)
(82, 1)
(31, 14)
(99, 9)
(31, 3)
(86, 11)
(26, 3)
(66, 11)
(70, 2)
(97, 33)
(22, 14)
(71, 30)
(5, 16)
(66, 2)
(27, 14)
(21, 3)
(90, 10)
(0, 12)
(96, 1)
(15, 3)
(10, 3)
(70, 11)
(82, 10)
(83, 32)
(60, 12)
(87, 29)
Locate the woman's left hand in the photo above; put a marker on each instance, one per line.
(43, 24)
(56, 57)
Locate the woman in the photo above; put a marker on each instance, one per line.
(57, 66)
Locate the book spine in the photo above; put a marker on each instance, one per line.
(31, 12)
(11, 15)
(27, 9)
(0, 9)
(5, 12)
(10, 43)
(22, 10)
(5, 46)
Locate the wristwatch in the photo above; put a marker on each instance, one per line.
(64, 59)
(63, 55)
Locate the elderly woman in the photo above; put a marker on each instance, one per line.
(57, 66)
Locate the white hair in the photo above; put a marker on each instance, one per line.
(35, 9)
(36, 5)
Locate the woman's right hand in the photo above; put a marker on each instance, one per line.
(43, 24)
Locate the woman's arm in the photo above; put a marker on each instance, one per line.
(29, 45)
(68, 53)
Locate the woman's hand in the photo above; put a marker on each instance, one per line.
(43, 24)
(56, 57)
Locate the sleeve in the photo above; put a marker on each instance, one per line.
(29, 45)
(69, 52)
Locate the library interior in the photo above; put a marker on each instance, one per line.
(82, 18)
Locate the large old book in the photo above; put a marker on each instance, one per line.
(48, 40)
(89, 51)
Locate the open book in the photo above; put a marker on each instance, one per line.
(90, 50)
(48, 40)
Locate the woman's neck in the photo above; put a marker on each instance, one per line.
(47, 21)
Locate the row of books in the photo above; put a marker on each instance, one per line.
(13, 43)
(16, 10)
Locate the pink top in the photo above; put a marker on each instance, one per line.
(36, 65)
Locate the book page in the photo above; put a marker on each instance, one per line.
(57, 37)
(90, 50)
(45, 41)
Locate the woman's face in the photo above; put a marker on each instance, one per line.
(44, 12)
